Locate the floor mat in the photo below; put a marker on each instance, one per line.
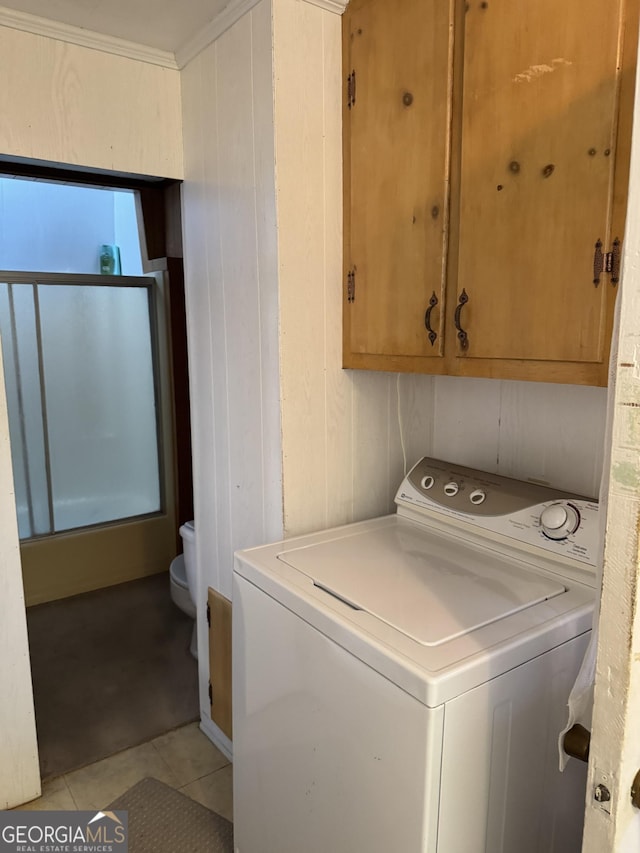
(111, 669)
(162, 820)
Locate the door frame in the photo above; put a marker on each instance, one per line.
(612, 822)
(19, 765)
(162, 230)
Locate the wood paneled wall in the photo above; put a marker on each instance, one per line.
(232, 296)
(231, 288)
(68, 104)
(528, 430)
(342, 456)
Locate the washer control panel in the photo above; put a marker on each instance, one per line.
(558, 522)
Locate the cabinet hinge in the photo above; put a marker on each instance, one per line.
(208, 614)
(608, 262)
(351, 285)
(351, 89)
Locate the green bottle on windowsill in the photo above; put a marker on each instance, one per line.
(109, 260)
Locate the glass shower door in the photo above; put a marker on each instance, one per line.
(85, 364)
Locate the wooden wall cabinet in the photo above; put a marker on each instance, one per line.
(486, 153)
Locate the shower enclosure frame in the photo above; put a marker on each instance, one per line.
(58, 564)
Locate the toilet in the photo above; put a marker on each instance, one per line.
(182, 580)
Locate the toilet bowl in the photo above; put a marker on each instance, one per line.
(182, 580)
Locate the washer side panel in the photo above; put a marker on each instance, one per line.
(501, 786)
(328, 754)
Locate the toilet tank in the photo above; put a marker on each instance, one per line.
(187, 531)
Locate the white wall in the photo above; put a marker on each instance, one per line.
(232, 305)
(232, 301)
(68, 104)
(342, 457)
(529, 430)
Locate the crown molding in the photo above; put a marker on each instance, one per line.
(15, 20)
(222, 22)
(336, 6)
(228, 17)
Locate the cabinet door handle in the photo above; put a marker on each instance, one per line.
(427, 318)
(462, 335)
(598, 262)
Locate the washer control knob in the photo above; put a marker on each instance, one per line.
(427, 482)
(451, 488)
(559, 520)
(477, 497)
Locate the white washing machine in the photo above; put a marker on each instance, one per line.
(399, 684)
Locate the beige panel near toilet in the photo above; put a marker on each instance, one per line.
(220, 660)
(82, 560)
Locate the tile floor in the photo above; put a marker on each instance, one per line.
(185, 759)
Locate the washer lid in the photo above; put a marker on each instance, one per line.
(429, 588)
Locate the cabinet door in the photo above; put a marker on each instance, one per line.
(538, 133)
(397, 132)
